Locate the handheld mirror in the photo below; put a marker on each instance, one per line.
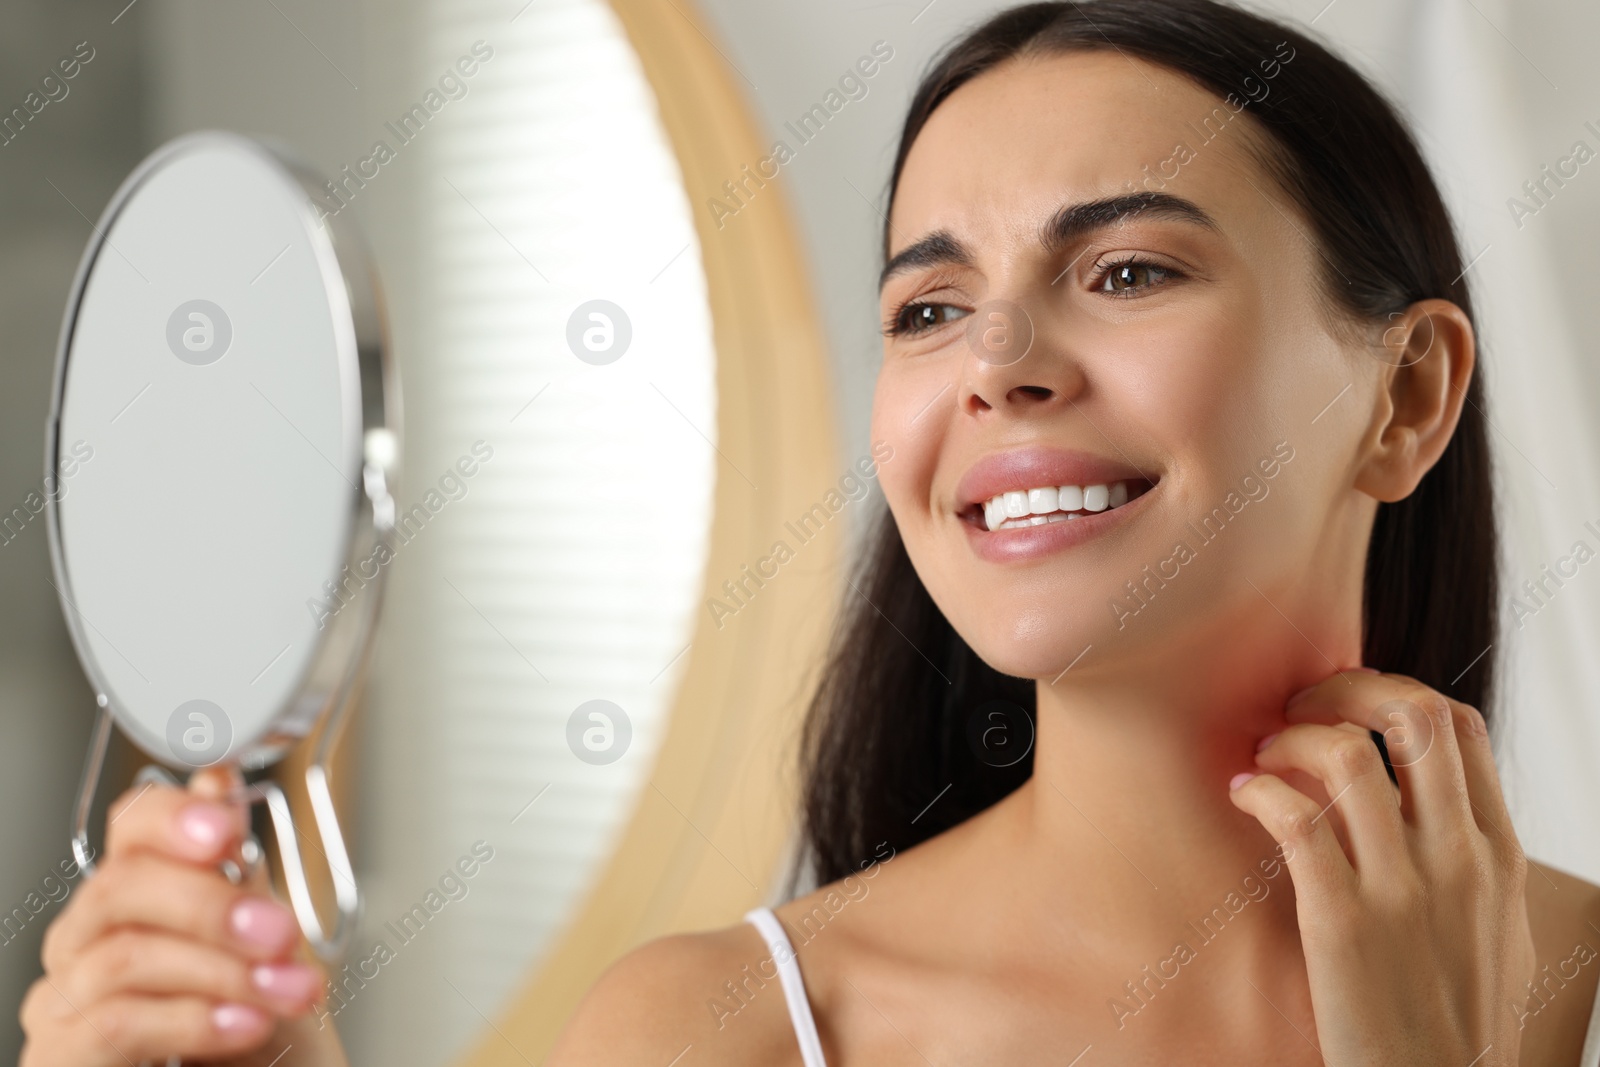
(221, 450)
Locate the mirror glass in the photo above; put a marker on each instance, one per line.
(211, 396)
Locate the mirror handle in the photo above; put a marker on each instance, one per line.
(347, 895)
(99, 739)
(328, 947)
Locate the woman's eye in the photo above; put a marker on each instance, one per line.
(1123, 277)
(918, 318)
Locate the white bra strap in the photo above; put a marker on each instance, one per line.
(794, 987)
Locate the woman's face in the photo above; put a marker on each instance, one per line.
(1108, 289)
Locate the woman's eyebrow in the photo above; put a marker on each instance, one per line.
(940, 246)
(1074, 220)
(1068, 224)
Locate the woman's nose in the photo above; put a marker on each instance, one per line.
(1013, 366)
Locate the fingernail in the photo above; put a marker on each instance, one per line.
(204, 824)
(1365, 670)
(218, 782)
(237, 1018)
(1265, 741)
(1240, 779)
(262, 923)
(285, 981)
(1298, 697)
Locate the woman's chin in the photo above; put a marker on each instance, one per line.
(1038, 661)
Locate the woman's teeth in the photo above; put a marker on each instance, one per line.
(1053, 503)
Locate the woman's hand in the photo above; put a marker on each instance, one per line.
(158, 954)
(1417, 941)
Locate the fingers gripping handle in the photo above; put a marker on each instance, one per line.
(329, 946)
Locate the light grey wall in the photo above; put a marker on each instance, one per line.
(68, 158)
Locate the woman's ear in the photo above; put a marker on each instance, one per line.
(1428, 351)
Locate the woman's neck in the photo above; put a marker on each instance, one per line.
(1127, 818)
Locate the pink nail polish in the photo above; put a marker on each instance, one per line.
(1240, 779)
(204, 824)
(1298, 697)
(262, 923)
(284, 981)
(1265, 741)
(237, 1018)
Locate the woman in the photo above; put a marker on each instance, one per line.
(1185, 444)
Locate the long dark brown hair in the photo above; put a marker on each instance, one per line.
(885, 753)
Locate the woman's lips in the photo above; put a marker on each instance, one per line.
(1022, 543)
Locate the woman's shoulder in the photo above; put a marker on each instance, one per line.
(1564, 918)
(713, 991)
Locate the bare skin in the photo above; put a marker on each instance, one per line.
(1403, 923)
(1375, 923)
